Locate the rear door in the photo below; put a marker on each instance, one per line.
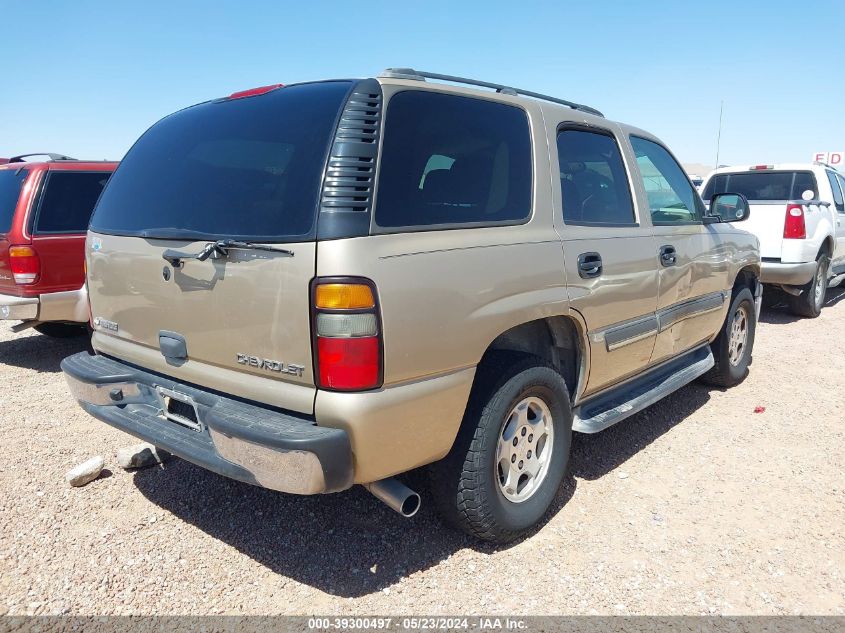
(609, 253)
(59, 223)
(11, 187)
(693, 264)
(248, 169)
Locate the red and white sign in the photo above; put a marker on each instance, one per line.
(834, 159)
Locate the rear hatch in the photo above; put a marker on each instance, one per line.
(11, 185)
(247, 169)
(768, 192)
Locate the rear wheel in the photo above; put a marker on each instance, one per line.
(511, 453)
(61, 330)
(809, 303)
(732, 348)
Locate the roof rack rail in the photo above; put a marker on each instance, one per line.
(20, 159)
(419, 75)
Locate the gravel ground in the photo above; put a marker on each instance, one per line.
(697, 505)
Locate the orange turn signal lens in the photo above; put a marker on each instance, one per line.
(21, 251)
(344, 296)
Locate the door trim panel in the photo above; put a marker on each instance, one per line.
(630, 332)
(626, 332)
(671, 315)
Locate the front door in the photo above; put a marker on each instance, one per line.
(693, 262)
(611, 269)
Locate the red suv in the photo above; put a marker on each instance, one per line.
(45, 207)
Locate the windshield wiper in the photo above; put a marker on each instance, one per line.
(218, 249)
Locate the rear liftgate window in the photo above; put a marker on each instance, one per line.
(449, 161)
(68, 200)
(764, 185)
(247, 168)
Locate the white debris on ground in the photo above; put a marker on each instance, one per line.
(86, 472)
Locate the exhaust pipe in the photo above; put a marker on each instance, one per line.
(396, 495)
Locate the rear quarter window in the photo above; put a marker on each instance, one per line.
(67, 201)
(449, 160)
(11, 182)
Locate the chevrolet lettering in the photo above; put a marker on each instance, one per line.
(271, 365)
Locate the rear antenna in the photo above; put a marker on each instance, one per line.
(719, 136)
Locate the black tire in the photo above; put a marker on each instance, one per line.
(465, 485)
(726, 373)
(809, 303)
(61, 330)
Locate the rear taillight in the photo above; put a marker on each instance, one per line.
(25, 264)
(793, 226)
(347, 334)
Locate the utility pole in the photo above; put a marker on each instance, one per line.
(719, 137)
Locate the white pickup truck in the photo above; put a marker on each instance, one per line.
(798, 214)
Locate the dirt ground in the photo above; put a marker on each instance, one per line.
(697, 505)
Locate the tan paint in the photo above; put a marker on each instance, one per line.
(253, 302)
(400, 427)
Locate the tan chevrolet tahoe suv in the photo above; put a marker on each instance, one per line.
(311, 286)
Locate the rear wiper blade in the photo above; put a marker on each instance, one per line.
(219, 249)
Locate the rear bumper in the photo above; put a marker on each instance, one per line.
(70, 306)
(235, 439)
(18, 308)
(787, 274)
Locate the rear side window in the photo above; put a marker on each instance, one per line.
(449, 160)
(837, 193)
(11, 181)
(67, 201)
(593, 181)
(764, 185)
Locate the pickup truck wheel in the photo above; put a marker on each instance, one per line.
(732, 348)
(809, 303)
(511, 453)
(60, 330)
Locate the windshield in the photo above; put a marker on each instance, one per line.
(10, 190)
(245, 168)
(764, 185)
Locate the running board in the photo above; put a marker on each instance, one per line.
(607, 409)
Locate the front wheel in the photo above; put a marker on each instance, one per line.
(809, 303)
(732, 348)
(511, 453)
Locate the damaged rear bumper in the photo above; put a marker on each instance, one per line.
(243, 441)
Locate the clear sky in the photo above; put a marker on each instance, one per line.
(87, 77)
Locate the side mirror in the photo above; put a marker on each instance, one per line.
(728, 207)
